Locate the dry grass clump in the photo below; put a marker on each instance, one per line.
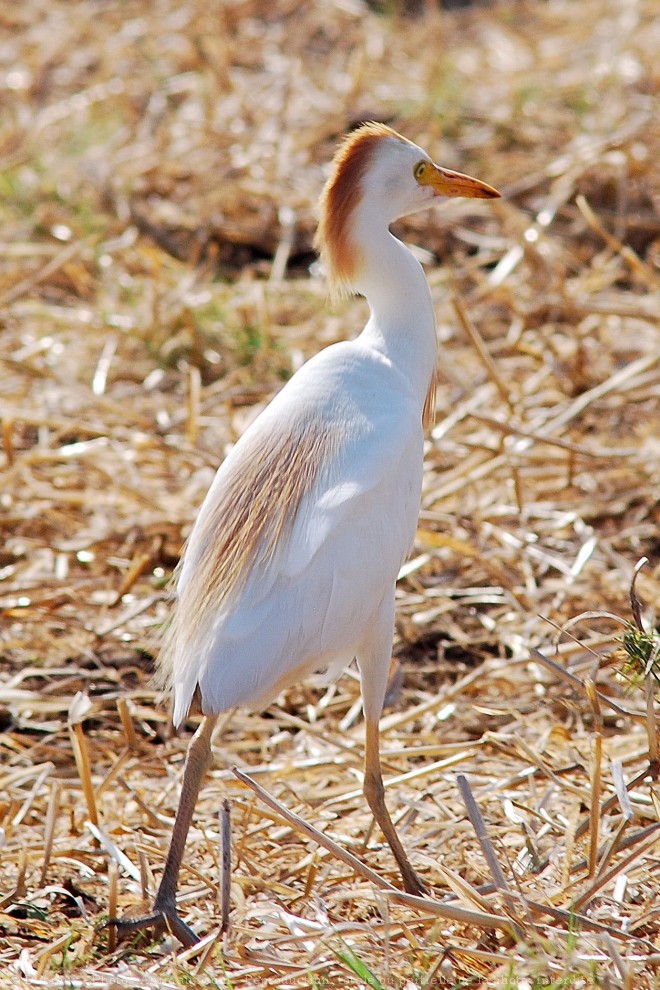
(159, 166)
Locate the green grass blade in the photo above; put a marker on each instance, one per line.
(355, 964)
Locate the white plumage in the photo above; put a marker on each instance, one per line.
(292, 562)
(299, 610)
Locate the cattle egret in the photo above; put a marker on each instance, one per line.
(292, 562)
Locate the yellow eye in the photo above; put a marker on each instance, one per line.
(419, 170)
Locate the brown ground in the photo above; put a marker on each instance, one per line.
(159, 168)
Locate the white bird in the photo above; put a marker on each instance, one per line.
(292, 562)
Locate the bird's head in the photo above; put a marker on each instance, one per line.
(382, 175)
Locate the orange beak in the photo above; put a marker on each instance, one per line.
(444, 182)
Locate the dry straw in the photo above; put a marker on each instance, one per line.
(159, 169)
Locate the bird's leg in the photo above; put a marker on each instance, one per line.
(164, 915)
(375, 795)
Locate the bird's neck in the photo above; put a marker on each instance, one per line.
(402, 322)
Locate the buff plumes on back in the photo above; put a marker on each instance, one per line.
(256, 505)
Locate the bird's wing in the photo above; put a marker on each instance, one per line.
(369, 463)
(329, 473)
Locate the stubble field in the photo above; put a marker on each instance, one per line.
(160, 165)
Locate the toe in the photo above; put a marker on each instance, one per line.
(413, 885)
(161, 920)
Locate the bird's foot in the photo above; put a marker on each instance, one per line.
(162, 919)
(412, 884)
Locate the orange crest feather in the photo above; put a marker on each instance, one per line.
(339, 199)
